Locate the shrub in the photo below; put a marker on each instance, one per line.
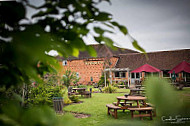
(109, 89)
(114, 84)
(67, 100)
(81, 86)
(43, 93)
(102, 81)
(70, 77)
(74, 98)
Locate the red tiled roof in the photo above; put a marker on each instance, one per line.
(164, 60)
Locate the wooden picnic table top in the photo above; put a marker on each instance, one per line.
(131, 98)
(79, 89)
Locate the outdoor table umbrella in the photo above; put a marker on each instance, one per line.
(183, 66)
(145, 68)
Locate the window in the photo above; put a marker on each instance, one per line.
(64, 63)
(132, 75)
(77, 74)
(122, 74)
(165, 73)
(137, 75)
(116, 74)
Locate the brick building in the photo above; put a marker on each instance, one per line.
(163, 60)
(118, 64)
(90, 69)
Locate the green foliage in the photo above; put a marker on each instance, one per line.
(81, 86)
(43, 93)
(163, 96)
(69, 77)
(67, 100)
(15, 115)
(101, 82)
(74, 98)
(109, 89)
(121, 83)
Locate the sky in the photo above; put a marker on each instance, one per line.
(157, 25)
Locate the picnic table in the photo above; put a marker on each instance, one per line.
(140, 109)
(79, 90)
(177, 85)
(82, 92)
(144, 110)
(132, 98)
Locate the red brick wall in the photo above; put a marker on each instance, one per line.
(88, 68)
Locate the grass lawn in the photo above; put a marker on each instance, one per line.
(96, 106)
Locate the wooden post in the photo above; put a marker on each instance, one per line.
(128, 77)
(105, 78)
(110, 77)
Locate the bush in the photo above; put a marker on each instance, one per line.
(74, 98)
(114, 84)
(67, 100)
(101, 82)
(43, 94)
(109, 89)
(81, 86)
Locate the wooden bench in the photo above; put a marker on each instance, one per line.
(154, 109)
(123, 103)
(114, 108)
(86, 94)
(146, 110)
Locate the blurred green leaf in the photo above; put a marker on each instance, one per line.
(98, 39)
(103, 16)
(98, 30)
(138, 47)
(121, 27)
(109, 43)
(91, 51)
(161, 94)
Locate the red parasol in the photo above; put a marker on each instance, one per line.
(183, 66)
(145, 68)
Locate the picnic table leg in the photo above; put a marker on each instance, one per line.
(132, 114)
(150, 115)
(115, 113)
(108, 111)
(118, 101)
(154, 112)
(140, 114)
